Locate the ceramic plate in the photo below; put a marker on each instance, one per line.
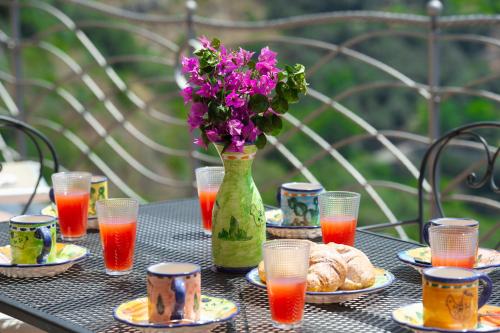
(274, 219)
(67, 255)
(383, 279)
(213, 312)
(420, 258)
(51, 211)
(411, 316)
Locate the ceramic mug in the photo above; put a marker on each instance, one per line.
(33, 239)
(98, 191)
(299, 203)
(447, 221)
(450, 297)
(174, 293)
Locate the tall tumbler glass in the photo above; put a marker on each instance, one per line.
(453, 245)
(286, 263)
(338, 216)
(71, 191)
(118, 226)
(208, 180)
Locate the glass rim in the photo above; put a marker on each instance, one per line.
(347, 194)
(292, 243)
(444, 228)
(81, 174)
(208, 168)
(102, 201)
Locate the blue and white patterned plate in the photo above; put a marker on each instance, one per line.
(411, 316)
(274, 219)
(383, 279)
(214, 311)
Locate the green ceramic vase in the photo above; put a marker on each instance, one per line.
(238, 220)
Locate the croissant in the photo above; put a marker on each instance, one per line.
(360, 271)
(327, 269)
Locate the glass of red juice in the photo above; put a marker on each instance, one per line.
(338, 216)
(453, 245)
(117, 220)
(71, 192)
(208, 180)
(286, 262)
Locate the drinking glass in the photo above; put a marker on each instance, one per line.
(71, 192)
(286, 263)
(453, 245)
(338, 216)
(208, 180)
(118, 225)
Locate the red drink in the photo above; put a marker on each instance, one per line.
(453, 260)
(72, 211)
(118, 241)
(207, 200)
(286, 299)
(339, 229)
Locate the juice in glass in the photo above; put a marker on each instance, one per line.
(207, 200)
(338, 229)
(118, 242)
(286, 299)
(454, 260)
(72, 211)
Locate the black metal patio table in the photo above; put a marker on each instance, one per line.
(83, 298)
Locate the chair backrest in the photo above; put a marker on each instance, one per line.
(37, 138)
(431, 160)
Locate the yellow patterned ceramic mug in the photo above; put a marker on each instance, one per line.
(450, 297)
(98, 191)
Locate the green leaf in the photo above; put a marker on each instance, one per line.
(265, 124)
(215, 43)
(261, 141)
(277, 124)
(251, 64)
(258, 103)
(282, 75)
(279, 104)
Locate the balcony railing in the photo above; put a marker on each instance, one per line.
(131, 126)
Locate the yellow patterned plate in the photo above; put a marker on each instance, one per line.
(66, 256)
(51, 210)
(411, 316)
(214, 311)
(419, 258)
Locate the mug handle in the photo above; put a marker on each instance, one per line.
(179, 288)
(278, 196)
(425, 233)
(45, 234)
(487, 290)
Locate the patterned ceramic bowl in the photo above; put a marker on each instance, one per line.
(67, 255)
(420, 258)
(411, 316)
(274, 227)
(214, 311)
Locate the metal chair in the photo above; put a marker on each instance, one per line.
(37, 138)
(431, 159)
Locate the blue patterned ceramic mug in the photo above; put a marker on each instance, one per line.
(299, 203)
(174, 292)
(32, 239)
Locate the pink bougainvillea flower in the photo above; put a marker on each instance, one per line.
(234, 127)
(190, 65)
(199, 142)
(234, 100)
(195, 118)
(236, 144)
(208, 90)
(212, 135)
(187, 94)
(250, 132)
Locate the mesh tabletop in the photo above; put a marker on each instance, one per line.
(84, 297)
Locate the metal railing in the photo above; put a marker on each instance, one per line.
(118, 124)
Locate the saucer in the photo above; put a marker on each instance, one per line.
(419, 258)
(274, 219)
(66, 256)
(214, 311)
(52, 211)
(383, 279)
(411, 316)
